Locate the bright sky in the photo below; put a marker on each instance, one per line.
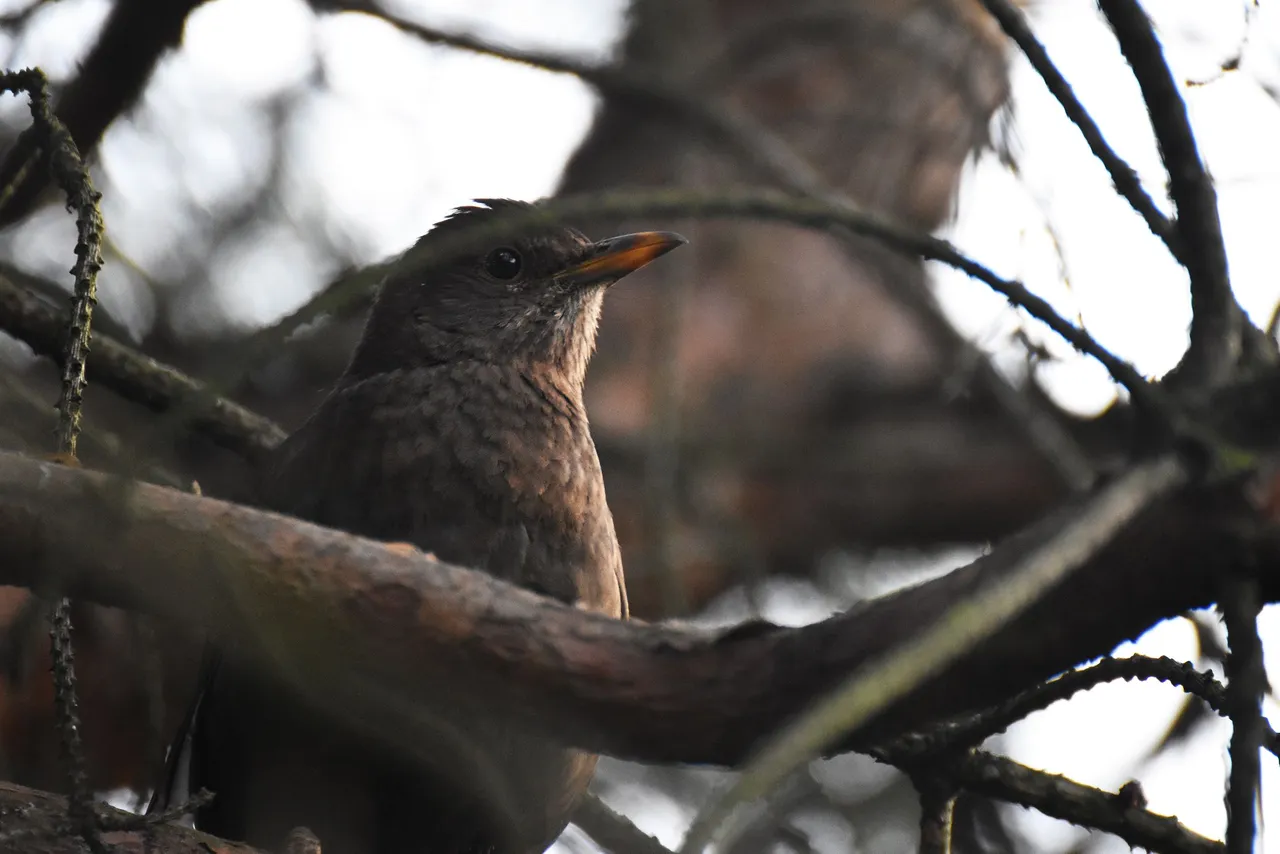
(402, 132)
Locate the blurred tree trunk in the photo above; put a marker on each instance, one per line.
(780, 390)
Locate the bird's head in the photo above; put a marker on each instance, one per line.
(528, 295)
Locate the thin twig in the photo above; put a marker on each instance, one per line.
(872, 688)
(1217, 323)
(1246, 686)
(1086, 806)
(612, 830)
(1123, 176)
(138, 377)
(975, 729)
(69, 173)
(159, 387)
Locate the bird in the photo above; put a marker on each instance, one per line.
(458, 427)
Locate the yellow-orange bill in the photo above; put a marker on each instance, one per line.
(614, 258)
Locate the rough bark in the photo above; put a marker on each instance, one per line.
(44, 830)
(377, 631)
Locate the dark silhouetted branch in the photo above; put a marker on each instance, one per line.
(1058, 797)
(613, 831)
(141, 379)
(975, 729)
(1246, 686)
(1126, 182)
(1217, 324)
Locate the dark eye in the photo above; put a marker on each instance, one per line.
(503, 263)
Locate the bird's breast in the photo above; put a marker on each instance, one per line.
(456, 460)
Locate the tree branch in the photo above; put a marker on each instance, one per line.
(1123, 177)
(960, 628)
(1246, 686)
(1058, 797)
(1217, 323)
(613, 831)
(161, 388)
(973, 730)
(70, 175)
(937, 813)
(137, 377)
(360, 623)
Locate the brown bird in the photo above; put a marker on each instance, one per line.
(458, 427)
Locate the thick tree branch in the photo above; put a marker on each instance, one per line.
(360, 623)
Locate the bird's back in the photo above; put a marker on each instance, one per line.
(485, 466)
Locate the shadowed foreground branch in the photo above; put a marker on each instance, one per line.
(376, 632)
(37, 821)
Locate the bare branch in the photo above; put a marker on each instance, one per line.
(1058, 797)
(613, 831)
(1246, 686)
(1217, 324)
(71, 176)
(161, 388)
(975, 729)
(137, 377)
(1125, 179)
(69, 173)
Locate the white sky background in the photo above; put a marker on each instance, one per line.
(428, 128)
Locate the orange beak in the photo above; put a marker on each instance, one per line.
(610, 260)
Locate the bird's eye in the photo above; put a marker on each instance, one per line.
(503, 263)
